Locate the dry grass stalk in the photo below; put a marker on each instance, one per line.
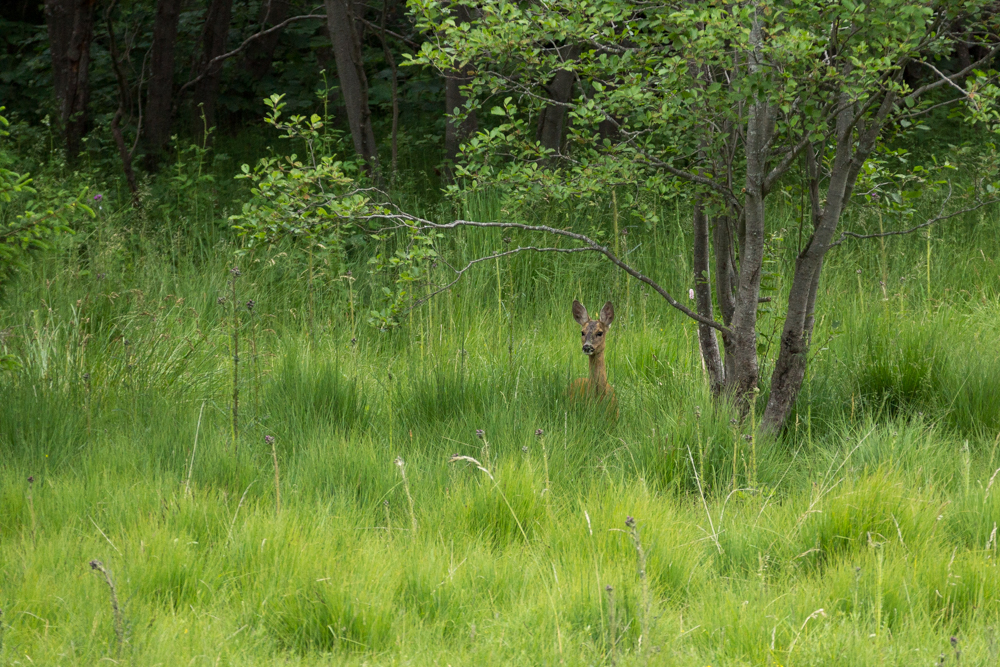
(98, 566)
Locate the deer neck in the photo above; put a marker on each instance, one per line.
(598, 373)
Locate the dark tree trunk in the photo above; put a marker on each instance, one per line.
(353, 81)
(25, 11)
(124, 105)
(71, 27)
(703, 298)
(260, 54)
(725, 267)
(159, 98)
(726, 281)
(457, 132)
(608, 129)
(214, 36)
(560, 91)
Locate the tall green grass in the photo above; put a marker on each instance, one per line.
(866, 533)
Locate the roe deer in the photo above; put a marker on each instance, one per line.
(594, 334)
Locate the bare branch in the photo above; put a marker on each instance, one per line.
(696, 178)
(928, 223)
(405, 40)
(956, 76)
(411, 221)
(945, 78)
(779, 169)
(927, 110)
(211, 63)
(461, 271)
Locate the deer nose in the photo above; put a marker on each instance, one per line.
(588, 348)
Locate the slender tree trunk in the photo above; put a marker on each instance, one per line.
(71, 26)
(455, 131)
(703, 298)
(725, 267)
(741, 343)
(726, 282)
(124, 104)
(260, 54)
(560, 91)
(353, 81)
(790, 367)
(159, 98)
(214, 36)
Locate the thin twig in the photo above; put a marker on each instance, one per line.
(217, 59)
(903, 232)
(411, 221)
(957, 76)
(458, 272)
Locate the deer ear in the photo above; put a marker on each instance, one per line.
(608, 314)
(580, 313)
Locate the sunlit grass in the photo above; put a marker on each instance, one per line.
(865, 535)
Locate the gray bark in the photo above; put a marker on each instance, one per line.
(725, 267)
(741, 344)
(703, 299)
(849, 158)
(726, 281)
(353, 81)
(159, 98)
(70, 26)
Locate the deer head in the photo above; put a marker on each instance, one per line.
(593, 332)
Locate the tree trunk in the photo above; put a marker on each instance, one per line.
(560, 91)
(790, 367)
(726, 281)
(725, 267)
(703, 298)
(214, 36)
(741, 342)
(353, 82)
(159, 97)
(457, 132)
(124, 104)
(71, 27)
(260, 54)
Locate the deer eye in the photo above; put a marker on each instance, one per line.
(600, 333)
(583, 333)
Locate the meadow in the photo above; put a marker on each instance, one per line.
(429, 495)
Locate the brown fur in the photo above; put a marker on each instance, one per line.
(593, 335)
